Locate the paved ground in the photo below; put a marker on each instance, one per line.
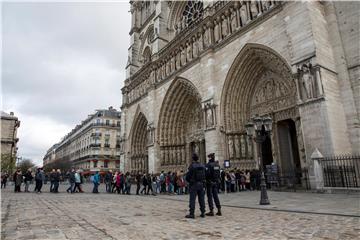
(111, 216)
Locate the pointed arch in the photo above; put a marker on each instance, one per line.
(249, 71)
(138, 144)
(180, 120)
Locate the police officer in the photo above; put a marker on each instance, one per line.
(196, 179)
(212, 185)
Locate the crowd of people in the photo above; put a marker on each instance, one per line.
(117, 182)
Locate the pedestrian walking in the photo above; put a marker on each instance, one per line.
(71, 188)
(212, 185)
(52, 180)
(108, 181)
(4, 178)
(138, 182)
(196, 178)
(77, 181)
(56, 179)
(128, 183)
(18, 178)
(39, 178)
(96, 182)
(28, 177)
(144, 183)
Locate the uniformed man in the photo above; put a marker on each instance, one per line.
(212, 184)
(196, 179)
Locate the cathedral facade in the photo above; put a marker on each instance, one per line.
(198, 71)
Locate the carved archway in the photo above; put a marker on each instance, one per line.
(181, 126)
(138, 149)
(259, 82)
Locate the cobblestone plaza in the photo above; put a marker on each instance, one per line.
(112, 216)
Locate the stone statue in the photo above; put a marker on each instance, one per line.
(216, 31)
(209, 117)
(195, 47)
(243, 14)
(183, 23)
(172, 64)
(231, 147)
(307, 81)
(224, 26)
(178, 60)
(234, 25)
(188, 51)
(168, 67)
(206, 37)
(182, 56)
(200, 42)
(253, 9)
(243, 146)
(237, 147)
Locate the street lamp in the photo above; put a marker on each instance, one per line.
(258, 128)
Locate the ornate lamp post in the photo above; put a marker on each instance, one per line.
(258, 128)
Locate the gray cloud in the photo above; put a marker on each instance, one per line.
(61, 61)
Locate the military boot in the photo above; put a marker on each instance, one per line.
(190, 216)
(211, 213)
(202, 215)
(219, 212)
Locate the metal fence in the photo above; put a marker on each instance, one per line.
(341, 171)
(297, 179)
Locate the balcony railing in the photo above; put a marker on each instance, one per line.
(107, 145)
(95, 145)
(96, 134)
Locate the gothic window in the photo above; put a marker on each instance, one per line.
(193, 10)
(147, 55)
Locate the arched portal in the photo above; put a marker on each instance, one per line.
(139, 153)
(180, 129)
(260, 82)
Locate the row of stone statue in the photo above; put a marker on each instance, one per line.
(173, 156)
(237, 16)
(139, 163)
(239, 146)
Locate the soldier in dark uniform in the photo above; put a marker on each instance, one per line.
(212, 184)
(196, 179)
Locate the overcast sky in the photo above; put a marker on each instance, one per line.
(60, 62)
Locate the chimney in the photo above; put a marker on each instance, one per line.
(12, 113)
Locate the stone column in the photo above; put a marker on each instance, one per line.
(316, 173)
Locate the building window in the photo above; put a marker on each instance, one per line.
(95, 164)
(118, 123)
(193, 11)
(106, 164)
(98, 121)
(107, 122)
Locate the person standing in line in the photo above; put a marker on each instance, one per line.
(154, 184)
(71, 182)
(57, 176)
(96, 182)
(127, 183)
(108, 181)
(4, 178)
(138, 182)
(144, 183)
(52, 180)
(114, 182)
(39, 178)
(77, 181)
(18, 180)
(118, 182)
(212, 185)
(196, 178)
(28, 177)
(122, 183)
